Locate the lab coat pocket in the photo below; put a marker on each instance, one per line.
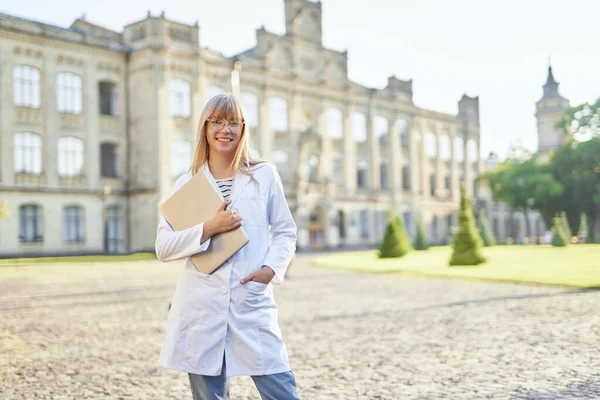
(256, 296)
(253, 209)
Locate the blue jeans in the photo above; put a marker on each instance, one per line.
(280, 386)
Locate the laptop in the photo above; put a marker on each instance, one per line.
(196, 202)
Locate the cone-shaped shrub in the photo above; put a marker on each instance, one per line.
(421, 239)
(484, 230)
(467, 244)
(559, 237)
(566, 227)
(396, 242)
(583, 229)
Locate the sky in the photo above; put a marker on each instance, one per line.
(497, 50)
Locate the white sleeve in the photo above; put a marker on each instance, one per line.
(173, 245)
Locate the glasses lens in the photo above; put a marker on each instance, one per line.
(217, 124)
(235, 126)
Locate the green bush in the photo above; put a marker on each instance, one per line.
(467, 244)
(582, 235)
(566, 227)
(484, 230)
(396, 242)
(421, 239)
(559, 236)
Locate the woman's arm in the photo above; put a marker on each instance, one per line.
(173, 245)
(283, 231)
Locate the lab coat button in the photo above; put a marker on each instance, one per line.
(222, 313)
(224, 289)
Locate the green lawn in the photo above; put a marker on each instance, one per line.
(577, 265)
(79, 259)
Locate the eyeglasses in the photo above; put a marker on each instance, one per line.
(217, 125)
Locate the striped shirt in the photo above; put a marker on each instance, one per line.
(225, 185)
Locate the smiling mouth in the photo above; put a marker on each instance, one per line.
(224, 140)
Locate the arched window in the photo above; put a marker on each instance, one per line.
(278, 114)
(335, 123)
(181, 157)
(180, 93)
(472, 150)
(430, 145)
(70, 156)
(280, 159)
(27, 153)
(26, 86)
(31, 223)
(445, 147)
(68, 90)
(73, 224)
(109, 98)
(338, 172)
(459, 149)
(250, 105)
(109, 160)
(313, 165)
(359, 127)
(380, 128)
(362, 171)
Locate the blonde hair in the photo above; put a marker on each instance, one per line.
(224, 106)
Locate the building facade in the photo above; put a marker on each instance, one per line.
(96, 126)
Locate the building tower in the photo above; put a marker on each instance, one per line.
(548, 109)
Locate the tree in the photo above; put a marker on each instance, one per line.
(421, 239)
(559, 236)
(524, 184)
(3, 212)
(466, 244)
(565, 225)
(484, 230)
(396, 242)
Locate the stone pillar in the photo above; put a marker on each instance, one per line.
(295, 130)
(374, 157)
(439, 164)
(425, 170)
(468, 169)
(91, 140)
(50, 136)
(396, 162)
(454, 175)
(7, 112)
(266, 134)
(350, 159)
(324, 169)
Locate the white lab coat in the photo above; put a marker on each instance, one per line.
(212, 314)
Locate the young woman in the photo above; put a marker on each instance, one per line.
(225, 324)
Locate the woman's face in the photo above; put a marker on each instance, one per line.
(224, 134)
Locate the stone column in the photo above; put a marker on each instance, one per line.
(92, 119)
(425, 169)
(374, 157)
(396, 162)
(454, 175)
(7, 112)
(266, 134)
(50, 136)
(295, 130)
(350, 159)
(439, 163)
(468, 169)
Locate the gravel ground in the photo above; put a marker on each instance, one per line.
(93, 331)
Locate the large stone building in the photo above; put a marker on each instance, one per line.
(96, 125)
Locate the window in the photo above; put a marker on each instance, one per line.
(70, 156)
(114, 233)
(278, 114)
(361, 171)
(459, 149)
(447, 182)
(408, 222)
(359, 127)
(406, 177)
(109, 160)
(383, 221)
(28, 153)
(380, 128)
(212, 91)
(313, 164)
(73, 224)
(364, 224)
(250, 105)
(181, 157)
(68, 90)
(383, 170)
(179, 98)
(26, 86)
(435, 228)
(432, 184)
(31, 224)
(335, 123)
(341, 220)
(472, 151)
(109, 98)
(338, 172)
(445, 148)
(280, 159)
(402, 132)
(430, 145)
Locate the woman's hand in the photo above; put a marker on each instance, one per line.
(223, 221)
(264, 275)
